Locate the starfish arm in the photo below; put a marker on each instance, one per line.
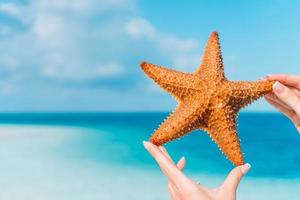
(182, 121)
(222, 129)
(176, 83)
(244, 93)
(212, 63)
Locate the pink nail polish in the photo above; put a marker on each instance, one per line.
(278, 87)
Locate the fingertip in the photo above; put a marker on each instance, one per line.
(182, 158)
(278, 87)
(271, 77)
(274, 84)
(267, 77)
(263, 79)
(181, 163)
(147, 145)
(245, 168)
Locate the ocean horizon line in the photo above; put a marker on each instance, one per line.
(119, 112)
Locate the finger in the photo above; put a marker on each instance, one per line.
(289, 113)
(169, 168)
(181, 163)
(174, 193)
(275, 99)
(296, 91)
(165, 152)
(233, 179)
(287, 96)
(290, 80)
(279, 107)
(263, 79)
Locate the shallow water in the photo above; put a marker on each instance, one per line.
(100, 156)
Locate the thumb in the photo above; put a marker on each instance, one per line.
(234, 177)
(286, 95)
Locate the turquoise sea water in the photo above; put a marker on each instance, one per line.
(100, 156)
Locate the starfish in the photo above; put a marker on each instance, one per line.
(206, 100)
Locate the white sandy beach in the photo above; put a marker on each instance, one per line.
(35, 165)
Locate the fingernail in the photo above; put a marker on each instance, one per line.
(278, 87)
(182, 159)
(245, 168)
(268, 75)
(298, 128)
(263, 78)
(146, 145)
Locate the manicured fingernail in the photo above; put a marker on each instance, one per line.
(263, 78)
(182, 159)
(269, 76)
(245, 168)
(146, 145)
(278, 87)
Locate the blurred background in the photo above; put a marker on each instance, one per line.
(75, 106)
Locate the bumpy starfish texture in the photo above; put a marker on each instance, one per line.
(206, 100)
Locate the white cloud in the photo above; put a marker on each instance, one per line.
(5, 30)
(79, 41)
(109, 69)
(49, 71)
(60, 40)
(81, 7)
(139, 28)
(48, 27)
(176, 45)
(188, 63)
(74, 74)
(179, 52)
(10, 8)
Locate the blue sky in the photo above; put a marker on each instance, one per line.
(84, 55)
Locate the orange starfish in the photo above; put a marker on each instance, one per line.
(206, 100)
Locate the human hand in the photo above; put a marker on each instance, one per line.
(182, 188)
(286, 96)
